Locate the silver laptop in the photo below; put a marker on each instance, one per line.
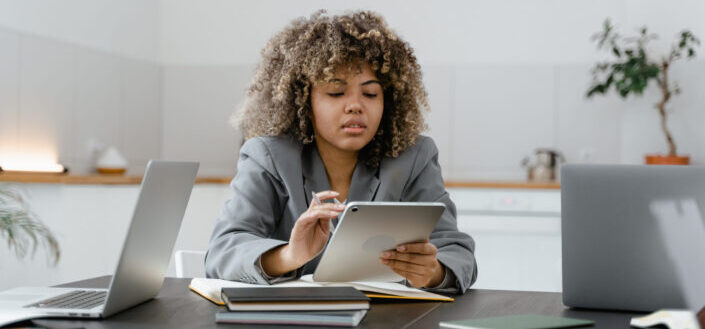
(633, 236)
(164, 194)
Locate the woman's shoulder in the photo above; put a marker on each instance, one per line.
(414, 158)
(267, 145)
(423, 149)
(424, 145)
(271, 152)
(418, 163)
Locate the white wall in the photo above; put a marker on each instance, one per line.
(125, 27)
(504, 77)
(79, 73)
(198, 101)
(160, 78)
(476, 31)
(479, 31)
(58, 98)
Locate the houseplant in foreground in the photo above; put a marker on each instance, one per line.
(21, 228)
(632, 69)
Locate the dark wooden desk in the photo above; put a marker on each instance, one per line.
(177, 307)
(487, 303)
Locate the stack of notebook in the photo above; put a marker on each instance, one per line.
(326, 306)
(211, 289)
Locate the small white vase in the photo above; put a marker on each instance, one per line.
(111, 162)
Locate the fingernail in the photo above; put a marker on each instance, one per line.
(385, 261)
(386, 254)
(401, 248)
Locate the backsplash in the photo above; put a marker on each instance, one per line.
(63, 98)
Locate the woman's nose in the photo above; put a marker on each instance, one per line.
(353, 107)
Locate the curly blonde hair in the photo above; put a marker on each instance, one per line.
(308, 51)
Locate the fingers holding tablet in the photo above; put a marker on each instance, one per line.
(416, 262)
(426, 248)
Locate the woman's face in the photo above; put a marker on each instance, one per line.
(347, 111)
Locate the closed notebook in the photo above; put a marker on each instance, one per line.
(523, 321)
(294, 299)
(307, 318)
(211, 288)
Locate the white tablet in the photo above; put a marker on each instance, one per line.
(365, 229)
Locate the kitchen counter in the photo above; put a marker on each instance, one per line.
(97, 179)
(504, 184)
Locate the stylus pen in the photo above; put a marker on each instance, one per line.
(315, 199)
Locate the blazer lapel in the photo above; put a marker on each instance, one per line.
(364, 184)
(314, 173)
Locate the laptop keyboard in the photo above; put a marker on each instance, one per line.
(80, 299)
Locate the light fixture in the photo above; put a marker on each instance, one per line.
(32, 167)
(33, 158)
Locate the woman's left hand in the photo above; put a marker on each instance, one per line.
(416, 262)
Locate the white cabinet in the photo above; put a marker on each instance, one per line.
(516, 232)
(517, 235)
(90, 223)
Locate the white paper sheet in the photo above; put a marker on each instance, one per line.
(9, 317)
(673, 319)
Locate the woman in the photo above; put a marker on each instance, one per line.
(335, 108)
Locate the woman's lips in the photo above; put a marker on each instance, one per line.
(354, 127)
(355, 130)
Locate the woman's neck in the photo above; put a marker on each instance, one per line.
(339, 167)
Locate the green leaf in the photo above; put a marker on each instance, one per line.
(22, 229)
(632, 70)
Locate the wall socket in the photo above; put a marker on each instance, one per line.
(587, 154)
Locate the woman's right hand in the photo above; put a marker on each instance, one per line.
(308, 237)
(311, 231)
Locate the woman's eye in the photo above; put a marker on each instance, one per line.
(335, 94)
(371, 95)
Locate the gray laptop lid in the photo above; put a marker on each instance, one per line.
(623, 240)
(164, 194)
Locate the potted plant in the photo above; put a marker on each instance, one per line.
(21, 228)
(632, 69)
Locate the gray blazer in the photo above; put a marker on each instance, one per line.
(273, 187)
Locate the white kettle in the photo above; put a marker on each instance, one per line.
(545, 165)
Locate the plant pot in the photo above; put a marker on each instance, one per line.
(657, 159)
